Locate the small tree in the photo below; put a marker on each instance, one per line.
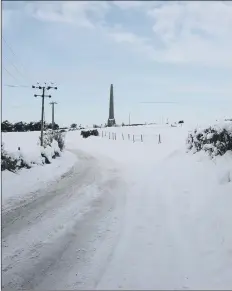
(73, 126)
(56, 126)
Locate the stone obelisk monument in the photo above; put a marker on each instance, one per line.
(111, 120)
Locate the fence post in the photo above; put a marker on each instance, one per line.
(128, 136)
(141, 138)
(159, 139)
(133, 138)
(109, 135)
(122, 136)
(102, 133)
(115, 136)
(105, 133)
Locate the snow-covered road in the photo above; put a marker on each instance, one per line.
(62, 237)
(145, 218)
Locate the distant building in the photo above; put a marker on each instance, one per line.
(111, 119)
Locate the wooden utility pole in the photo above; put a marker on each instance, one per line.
(53, 114)
(43, 88)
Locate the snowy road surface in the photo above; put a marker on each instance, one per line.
(113, 223)
(62, 238)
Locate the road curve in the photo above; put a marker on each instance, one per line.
(63, 237)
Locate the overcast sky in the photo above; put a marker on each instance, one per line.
(158, 51)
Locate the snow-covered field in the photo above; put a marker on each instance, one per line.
(130, 215)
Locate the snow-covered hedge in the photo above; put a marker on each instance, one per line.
(215, 140)
(50, 136)
(8, 162)
(88, 133)
(53, 146)
(50, 152)
(14, 161)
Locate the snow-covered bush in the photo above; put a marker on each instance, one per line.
(13, 161)
(50, 136)
(88, 133)
(53, 144)
(215, 140)
(48, 154)
(60, 138)
(47, 138)
(8, 162)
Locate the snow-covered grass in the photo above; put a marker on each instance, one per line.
(125, 151)
(25, 140)
(147, 134)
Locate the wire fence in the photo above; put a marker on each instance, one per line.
(131, 137)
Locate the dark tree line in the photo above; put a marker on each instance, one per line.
(24, 126)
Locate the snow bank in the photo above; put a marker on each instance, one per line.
(17, 186)
(17, 154)
(23, 147)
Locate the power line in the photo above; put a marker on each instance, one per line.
(12, 51)
(10, 74)
(9, 46)
(16, 86)
(15, 67)
(161, 102)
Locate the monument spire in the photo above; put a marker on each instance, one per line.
(111, 120)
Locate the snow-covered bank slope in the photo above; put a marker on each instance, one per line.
(177, 230)
(16, 186)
